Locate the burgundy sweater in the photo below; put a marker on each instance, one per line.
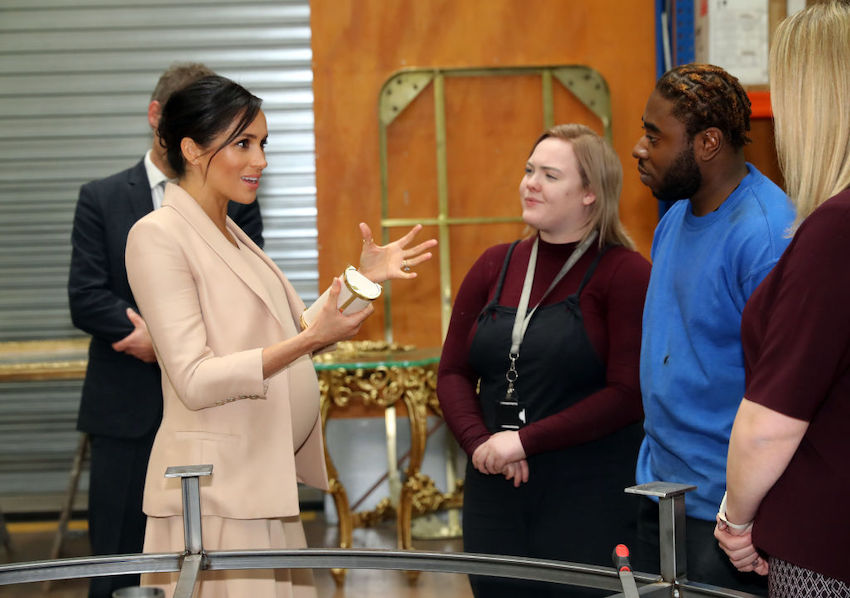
(796, 337)
(612, 307)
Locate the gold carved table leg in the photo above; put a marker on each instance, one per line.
(339, 388)
(383, 387)
(336, 489)
(415, 400)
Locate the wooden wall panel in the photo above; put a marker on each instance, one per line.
(358, 44)
(412, 186)
(762, 151)
(490, 123)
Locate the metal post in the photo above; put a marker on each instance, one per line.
(193, 561)
(671, 526)
(188, 578)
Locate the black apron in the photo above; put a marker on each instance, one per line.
(557, 364)
(573, 507)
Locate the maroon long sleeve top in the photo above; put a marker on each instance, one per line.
(612, 309)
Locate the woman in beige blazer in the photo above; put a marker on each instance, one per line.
(239, 387)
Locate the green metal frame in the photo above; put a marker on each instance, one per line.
(404, 86)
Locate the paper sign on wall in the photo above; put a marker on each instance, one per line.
(733, 34)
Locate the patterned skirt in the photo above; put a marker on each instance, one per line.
(785, 580)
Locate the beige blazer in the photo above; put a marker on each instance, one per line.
(209, 316)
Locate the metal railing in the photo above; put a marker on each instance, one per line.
(194, 559)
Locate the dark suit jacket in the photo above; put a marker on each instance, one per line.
(122, 396)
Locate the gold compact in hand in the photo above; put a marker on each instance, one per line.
(356, 293)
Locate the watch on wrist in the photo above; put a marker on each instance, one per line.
(721, 514)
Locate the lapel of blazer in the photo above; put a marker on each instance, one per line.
(296, 305)
(139, 196)
(191, 211)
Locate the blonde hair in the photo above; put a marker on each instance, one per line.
(602, 174)
(810, 96)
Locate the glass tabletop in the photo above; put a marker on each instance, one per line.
(352, 355)
(66, 358)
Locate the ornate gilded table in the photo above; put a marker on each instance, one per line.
(360, 378)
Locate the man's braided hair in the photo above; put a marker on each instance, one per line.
(704, 96)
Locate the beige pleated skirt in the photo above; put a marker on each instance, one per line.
(165, 534)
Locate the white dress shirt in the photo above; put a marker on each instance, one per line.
(157, 180)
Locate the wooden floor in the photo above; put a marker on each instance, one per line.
(32, 541)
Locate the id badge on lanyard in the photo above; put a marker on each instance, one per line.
(510, 413)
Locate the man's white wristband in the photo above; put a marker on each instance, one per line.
(722, 515)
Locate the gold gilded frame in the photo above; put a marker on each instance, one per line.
(404, 86)
(57, 359)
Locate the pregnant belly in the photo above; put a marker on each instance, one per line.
(304, 400)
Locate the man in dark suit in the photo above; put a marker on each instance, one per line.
(121, 404)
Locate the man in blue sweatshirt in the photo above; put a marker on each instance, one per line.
(726, 230)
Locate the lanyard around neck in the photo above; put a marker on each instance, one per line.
(521, 320)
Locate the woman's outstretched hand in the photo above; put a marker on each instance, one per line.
(393, 260)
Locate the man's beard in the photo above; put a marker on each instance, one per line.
(682, 179)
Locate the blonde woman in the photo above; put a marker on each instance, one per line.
(787, 509)
(551, 452)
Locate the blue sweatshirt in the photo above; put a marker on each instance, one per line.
(691, 363)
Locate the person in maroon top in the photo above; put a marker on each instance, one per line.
(787, 509)
(550, 451)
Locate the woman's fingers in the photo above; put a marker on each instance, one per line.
(419, 249)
